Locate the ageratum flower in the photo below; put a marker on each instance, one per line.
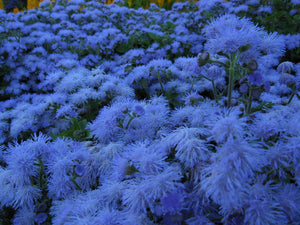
(295, 2)
(146, 159)
(41, 218)
(79, 170)
(24, 216)
(199, 220)
(292, 41)
(120, 121)
(238, 9)
(42, 207)
(244, 88)
(228, 33)
(285, 67)
(264, 211)
(265, 9)
(64, 155)
(255, 78)
(208, 5)
(227, 126)
(190, 149)
(141, 195)
(289, 198)
(227, 179)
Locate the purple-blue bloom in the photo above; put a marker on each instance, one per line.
(255, 78)
(244, 88)
(79, 170)
(41, 218)
(160, 150)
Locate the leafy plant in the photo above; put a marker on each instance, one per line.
(76, 132)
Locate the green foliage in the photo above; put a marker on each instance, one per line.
(144, 40)
(136, 40)
(41, 182)
(8, 35)
(280, 19)
(137, 4)
(262, 106)
(76, 132)
(168, 5)
(131, 169)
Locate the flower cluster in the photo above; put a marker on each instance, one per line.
(111, 115)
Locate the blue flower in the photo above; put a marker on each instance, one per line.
(289, 198)
(24, 216)
(292, 41)
(255, 78)
(264, 211)
(141, 195)
(227, 179)
(60, 164)
(228, 33)
(79, 170)
(285, 67)
(42, 207)
(41, 218)
(173, 203)
(265, 9)
(295, 2)
(243, 88)
(139, 110)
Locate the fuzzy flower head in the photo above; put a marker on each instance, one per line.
(255, 79)
(226, 180)
(41, 218)
(130, 120)
(285, 67)
(215, 72)
(79, 170)
(226, 126)
(229, 34)
(142, 195)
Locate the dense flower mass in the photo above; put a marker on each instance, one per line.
(114, 115)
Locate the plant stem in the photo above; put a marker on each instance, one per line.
(131, 118)
(75, 183)
(248, 107)
(214, 90)
(291, 98)
(231, 79)
(230, 84)
(160, 83)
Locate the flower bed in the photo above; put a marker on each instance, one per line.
(114, 115)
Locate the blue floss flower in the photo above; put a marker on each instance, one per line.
(255, 79)
(41, 218)
(243, 88)
(79, 170)
(173, 219)
(267, 86)
(11, 4)
(285, 67)
(173, 202)
(287, 79)
(295, 2)
(138, 109)
(42, 207)
(214, 72)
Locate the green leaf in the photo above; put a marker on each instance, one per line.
(262, 106)
(76, 132)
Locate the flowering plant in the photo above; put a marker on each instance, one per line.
(113, 115)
